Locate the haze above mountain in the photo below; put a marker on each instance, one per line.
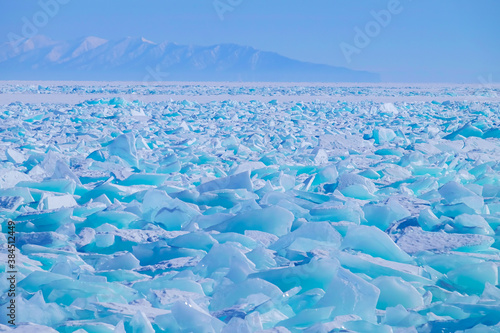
(138, 59)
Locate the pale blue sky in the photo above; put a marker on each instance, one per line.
(424, 40)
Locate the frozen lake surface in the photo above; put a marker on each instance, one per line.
(208, 207)
(75, 92)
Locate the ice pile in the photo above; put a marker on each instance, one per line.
(253, 217)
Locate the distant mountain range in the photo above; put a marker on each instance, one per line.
(137, 59)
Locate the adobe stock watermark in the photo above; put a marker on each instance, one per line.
(487, 85)
(363, 37)
(31, 26)
(155, 75)
(224, 6)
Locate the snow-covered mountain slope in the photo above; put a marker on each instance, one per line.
(93, 58)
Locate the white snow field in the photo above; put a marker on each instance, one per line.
(192, 207)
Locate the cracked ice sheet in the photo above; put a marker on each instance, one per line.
(188, 209)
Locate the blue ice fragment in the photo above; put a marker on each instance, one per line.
(223, 256)
(62, 171)
(241, 180)
(125, 260)
(385, 214)
(14, 156)
(308, 317)
(394, 291)
(262, 258)
(320, 156)
(373, 241)
(89, 209)
(383, 135)
(472, 278)
(370, 174)
(316, 274)
(172, 214)
(492, 133)
(10, 203)
(167, 323)
(194, 240)
(119, 219)
(286, 181)
(168, 159)
(169, 168)
(388, 152)
(447, 310)
(490, 191)
(36, 279)
(192, 318)
(490, 292)
(388, 109)
(156, 283)
(57, 201)
(226, 296)
(366, 326)
(124, 147)
(225, 237)
(48, 239)
(67, 291)
(481, 169)
(299, 300)
(173, 257)
(319, 231)
(22, 192)
(54, 185)
(175, 214)
(473, 224)
(153, 201)
(247, 166)
(356, 186)
(335, 211)
(237, 325)
(398, 316)
(117, 101)
(144, 179)
(141, 142)
(445, 262)
(261, 237)
(274, 220)
(97, 155)
(466, 131)
(122, 275)
(36, 310)
(46, 220)
(9, 178)
(482, 328)
(428, 220)
(455, 193)
(349, 294)
(328, 174)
